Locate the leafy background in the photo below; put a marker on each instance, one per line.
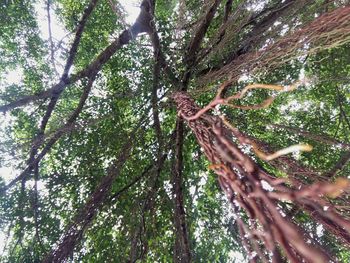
(140, 219)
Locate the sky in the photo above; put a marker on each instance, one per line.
(132, 7)
(16, 76)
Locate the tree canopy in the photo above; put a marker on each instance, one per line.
(205, 131)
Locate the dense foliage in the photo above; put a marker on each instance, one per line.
(72, 117)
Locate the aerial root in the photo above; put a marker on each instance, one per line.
(218, 100)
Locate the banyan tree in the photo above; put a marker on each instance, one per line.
(202, 131)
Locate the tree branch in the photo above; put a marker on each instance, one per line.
(154, 98)
(88, 212)
(159, 55)
(343, 160)
(124, 38)
(78, 34)
(320, 138)
(36, 158)
(228, 7)
(195, 43)
(57, 89)
(36, 208)
(198, 36)
(182, 253)
(261, 22)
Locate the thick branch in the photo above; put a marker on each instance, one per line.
(74, 48)
(278, 11)
(125, 37)
(261, 22)
(72, 53)
(89, 211)
(57, 89)
(343, 160)
(326, 31)
(154, 98)
(182, 245)
(320, 138)
(240, 177)
(198, 36)
(159, 55)
(34, 161)
(228, 7)
(90, 71)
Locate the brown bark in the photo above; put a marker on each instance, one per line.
(200, 32)
(260, 23)
(182, 251)
(90, 71)
(195, 43)
(241, 179)
(228, 7)
(320, 138)
(88, 212)
(300, 177)
(95, 66)
(267, 18)
(36, 158)
(342, 162)
(316, 34)
(75, 231)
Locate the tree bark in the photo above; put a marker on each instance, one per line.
(182, 252)
(88, 212)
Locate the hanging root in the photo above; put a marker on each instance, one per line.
(290, 149)
(218, 100)
(261, 154)
(242, 180)
(326, 31)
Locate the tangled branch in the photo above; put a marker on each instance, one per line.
(218, 100)
(327, 31)
(242, 179)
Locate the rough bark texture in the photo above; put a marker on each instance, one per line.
(182, 246)
(242, 181)
(88, 212)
